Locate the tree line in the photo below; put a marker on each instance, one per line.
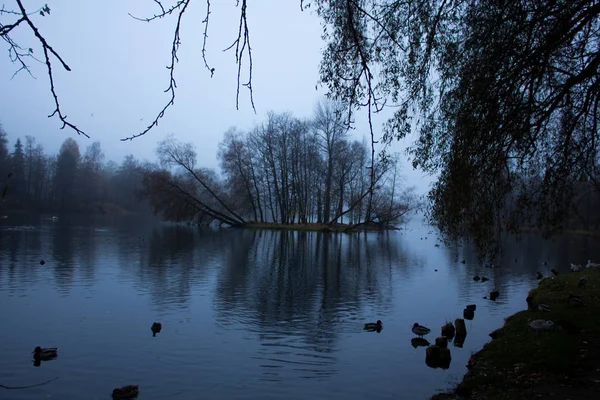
(501, 94)
(284, 170)
(33, 181)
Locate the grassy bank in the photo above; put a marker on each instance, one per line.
(561, 363)
(316, 227)
(581, 231)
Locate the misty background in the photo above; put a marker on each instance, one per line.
(115, 88)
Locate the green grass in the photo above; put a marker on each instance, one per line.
(519, 351)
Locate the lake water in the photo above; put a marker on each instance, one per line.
(247, 314)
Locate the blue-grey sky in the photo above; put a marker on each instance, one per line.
(119, 74)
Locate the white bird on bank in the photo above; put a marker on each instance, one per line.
(590, 264)
(543, 307)
(575, 267)
(541, 325)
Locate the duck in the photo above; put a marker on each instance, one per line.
(574, 267)
(126, 392)
(420, 330)
(156, 327)
(582, 281)
(575, 300)
(539, 275)
(543, 307)
(541, 325)
(44, 353)
(374, 325)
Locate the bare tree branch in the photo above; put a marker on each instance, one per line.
(243, 39)
(17, 55)
(163, 12)
(205, 37)
(182, 5)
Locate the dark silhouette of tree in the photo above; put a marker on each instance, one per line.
(4, 165)
(277, 172)
(17, 168)
(66, 183)
(90, 174)
(67, 167)
(3, 148)
(501, 94)
(331, 130)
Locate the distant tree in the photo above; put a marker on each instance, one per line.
(17, 168)
(492, 88)
(237, 164)
(177, 180)
(90, 173)
(330, 127)
(127, 180)
(3, 150)
(67, 168)
(4, 164)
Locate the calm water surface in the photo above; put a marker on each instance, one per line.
(247, 315)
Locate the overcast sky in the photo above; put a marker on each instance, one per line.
(119, 74)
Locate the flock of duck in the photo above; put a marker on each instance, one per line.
(437, 355)
(417, 329)
(126, 392)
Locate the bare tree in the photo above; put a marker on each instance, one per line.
(172, 154)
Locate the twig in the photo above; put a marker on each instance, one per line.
(205, 22)
(164, 12)
(171, 68)
(48, 49)
(244, 39)
(28, 386)
(160, 5)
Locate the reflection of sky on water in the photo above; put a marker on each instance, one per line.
(250, 314)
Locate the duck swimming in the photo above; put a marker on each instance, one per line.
(126, 392)
(420, 330)
(372, 326)
(156, 327)
(45, 353)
